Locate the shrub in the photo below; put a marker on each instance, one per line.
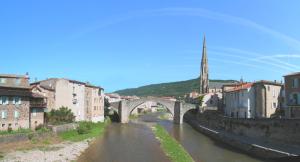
(9, 130)
(84, 127)
(30, 136)
(41, 128)
(60, 116)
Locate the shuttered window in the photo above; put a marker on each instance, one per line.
(17, 115)
(4, 100)
(4, 114)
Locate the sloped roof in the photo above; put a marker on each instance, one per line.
(291, 74)
(217, 85)
(239, 87)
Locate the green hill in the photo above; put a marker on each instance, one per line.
(168, 89)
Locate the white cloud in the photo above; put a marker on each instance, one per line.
(292, 42)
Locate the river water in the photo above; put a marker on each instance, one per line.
(135, 142)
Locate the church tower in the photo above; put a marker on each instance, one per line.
(204, 71)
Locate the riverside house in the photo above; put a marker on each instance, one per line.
(85, 100)
(292, 95)
(252, 100)
(19, 108)
(14, 101)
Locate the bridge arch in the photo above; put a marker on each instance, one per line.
(176, 108)
(136, 103)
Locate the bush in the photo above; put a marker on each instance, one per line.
(84, 127)
(41, 128)
(9, 130)
(60, 116)
(30, 136)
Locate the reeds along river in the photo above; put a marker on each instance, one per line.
(135, 142)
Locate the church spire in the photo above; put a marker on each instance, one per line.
(204, 70)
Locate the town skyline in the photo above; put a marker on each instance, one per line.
(163, 41)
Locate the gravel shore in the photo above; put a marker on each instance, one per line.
(63, 152)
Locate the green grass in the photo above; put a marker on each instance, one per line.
(97, 129)
(1, 155)
(19, 131)
(170, 146)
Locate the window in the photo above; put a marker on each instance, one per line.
(295, 98)
(4, 100)
(274, 105)
(18, 81)
(95, 107)
(295, 83)
(0, 100)
(17, 115)
(268, 88)
(2, 80)
(17, 100)
(4, 114)
(34, 112)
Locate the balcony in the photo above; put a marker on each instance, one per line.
(38, 104)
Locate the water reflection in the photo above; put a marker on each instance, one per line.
(135, 142)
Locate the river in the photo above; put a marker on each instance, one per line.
(135, 142)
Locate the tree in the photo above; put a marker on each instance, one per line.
(106, 107)
(60, 116)
(201, 100)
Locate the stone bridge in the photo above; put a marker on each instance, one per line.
(176, 108)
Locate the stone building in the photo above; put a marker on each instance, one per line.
(14, 101)
(72, 94)
(252, 100)
(113, 97)
(292, 95)
(94, 103)
(38, 104)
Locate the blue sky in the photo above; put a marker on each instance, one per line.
(123, 44)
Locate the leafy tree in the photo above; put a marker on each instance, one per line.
(201, 100)
(106, 107)
(62, 115)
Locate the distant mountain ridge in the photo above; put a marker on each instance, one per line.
(176, 89)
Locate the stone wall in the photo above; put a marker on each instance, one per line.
(285, 131)
(62, 128)
(242, 144)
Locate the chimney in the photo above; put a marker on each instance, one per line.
(27, 75)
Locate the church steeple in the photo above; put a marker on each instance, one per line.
(204, 70)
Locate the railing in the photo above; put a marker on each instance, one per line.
(38, 104)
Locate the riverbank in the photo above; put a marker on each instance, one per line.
(251, 146)
(66, 146)
(171, 147)
(65, 151)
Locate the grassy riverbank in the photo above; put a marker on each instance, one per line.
(85, 130)
(170, 146)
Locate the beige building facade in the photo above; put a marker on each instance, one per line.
(252, 100)
(78, 96)
(94, 103)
